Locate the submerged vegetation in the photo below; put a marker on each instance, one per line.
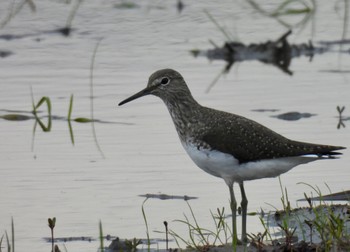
(50, 117)
(47, 127)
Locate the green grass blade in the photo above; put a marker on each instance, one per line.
(195, 220)
(193, 243)
(32, 96)
(346, 19)
(48, 103)
(83, 120)
(2, 237)
(257, 7)
(42, 100)
(71, 132)
(92, 98)
(266, 227)
(177, 238)
(8, 242)
(146, 223)
(73, 13)
(283, 5)
(101, 237)
(70, 107)
(13, 234)
(33, 137)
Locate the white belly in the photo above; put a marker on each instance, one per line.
(226, 166)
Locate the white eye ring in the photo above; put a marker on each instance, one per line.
(164, 81)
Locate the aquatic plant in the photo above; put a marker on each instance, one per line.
(327, 222)
(92, 64)
(68, 28)
(166, 235)
(146, 223)
(330, 224)
(44, 99)
(10, 245)
(302, 8)
(200, 238)
(52, 224)
(101, 236)
(132, 244)
(340, 111)
(15, 8)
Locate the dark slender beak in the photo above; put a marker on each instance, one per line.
(143, 92)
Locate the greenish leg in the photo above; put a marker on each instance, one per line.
(244, 204)
(233, 205)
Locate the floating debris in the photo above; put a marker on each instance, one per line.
(70, 239)
(335, 42)
(126, 5)
(278, 53)
(65, 31)
(180, 6)
(132, 245)
(339, 196)
(5, 53)
(265, 110)
(166, 197)
(12, 37)
(335, 71)
(293, 116)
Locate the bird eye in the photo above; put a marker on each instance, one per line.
(164, 81)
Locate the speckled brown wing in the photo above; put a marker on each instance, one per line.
(251, 141)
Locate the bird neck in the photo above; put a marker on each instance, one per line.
(183, 109)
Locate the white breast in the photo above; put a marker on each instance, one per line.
(216, 163)
(226, 166)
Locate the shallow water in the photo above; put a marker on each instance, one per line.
(44, 175)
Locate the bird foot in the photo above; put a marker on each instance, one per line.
(243, 241)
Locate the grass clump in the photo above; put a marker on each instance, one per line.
(201, 239)
(330, 222)
(319, 226)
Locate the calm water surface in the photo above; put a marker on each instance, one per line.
(44, 175)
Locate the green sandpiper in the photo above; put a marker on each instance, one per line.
(226, 145)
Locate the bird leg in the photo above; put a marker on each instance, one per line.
(233, 205)
(244, 204)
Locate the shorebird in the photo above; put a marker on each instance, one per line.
(226, 145)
